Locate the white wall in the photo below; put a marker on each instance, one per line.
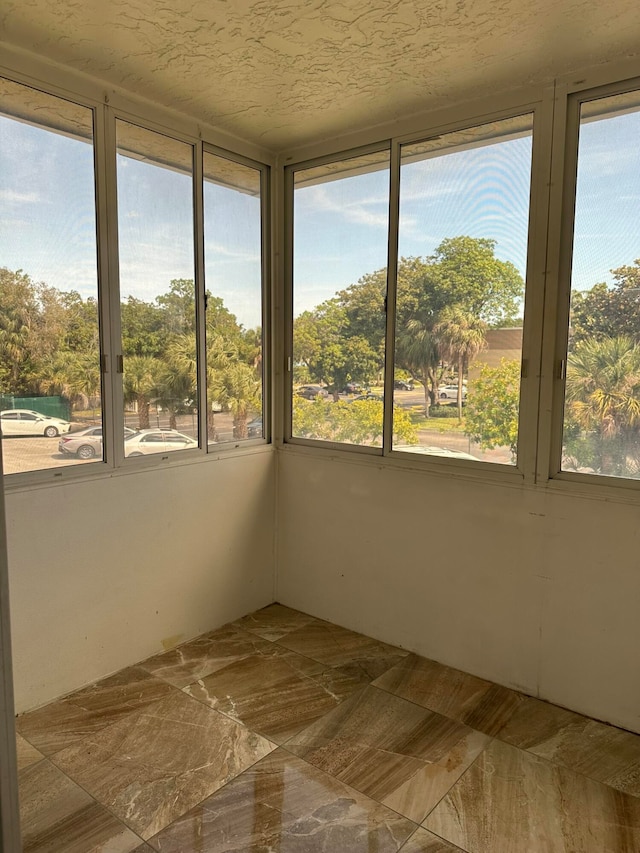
(533, 590)
(106, 572)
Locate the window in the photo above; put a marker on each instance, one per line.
(453, 389)
(233, 253)
(157, 280)
(102, 235)
(49, 326)
(601, 422)
(462, 249)
(341, 214)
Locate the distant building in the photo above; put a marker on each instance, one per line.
(501, 343)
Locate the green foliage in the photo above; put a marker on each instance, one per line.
(359, 422)
(491, 417)
(49, 343)
(444, 304)
(141, 328)
(608, 312)
(602, 411)
(468, 274)
(325, 344)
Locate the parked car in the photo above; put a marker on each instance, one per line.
(310, 392)
(254, 428)
(87, 442)
(352, 388)
(148, 441)
(402, 385)
(28, 422)
(450, 392)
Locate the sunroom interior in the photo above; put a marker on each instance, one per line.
(524, 574)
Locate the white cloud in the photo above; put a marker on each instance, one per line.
(233, 254)
(16, 197)
(354, 211)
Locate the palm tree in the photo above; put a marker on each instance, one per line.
(603, 398)
(417, 352)
(460, 337)
(238, 390)
(178, 378)
(141, 383)
(182, 360)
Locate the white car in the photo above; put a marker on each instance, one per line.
(157, 441)
(450, 392)
(28, 422)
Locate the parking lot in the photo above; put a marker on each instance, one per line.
(37, 453)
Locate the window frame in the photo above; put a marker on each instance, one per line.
(570, 97)
(116, 375)
(264, 172)
(105, 108)
(541, 109)
(289, 180)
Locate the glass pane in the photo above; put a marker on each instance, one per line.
(339, 289)
(49, 332)
(157, 290)
(464, 213)
(233, 272)
(601, 432)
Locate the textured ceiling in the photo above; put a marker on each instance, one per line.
(282, 73)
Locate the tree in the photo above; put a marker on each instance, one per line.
(462, 274)
(492, 406)
(608, 312)
(324, 344)
(468, 274)
(238, 391)
(142, 328)
(417, 351)
(140, 384)
(178, 307)
(460, 337)
(602, 412)
(18, 313)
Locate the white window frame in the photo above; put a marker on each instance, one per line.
(570, 95)
(265, 243)
(106, 107)
(290, 171)
(540, 105)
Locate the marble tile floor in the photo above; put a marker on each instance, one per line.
(282, 733)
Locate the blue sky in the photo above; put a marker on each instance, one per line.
(47, 225)
(341, 227)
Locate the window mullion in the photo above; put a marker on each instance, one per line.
(267, 339)
(200, 285)
(564, 160)
(112, 418)
(536, 288)
(390, 303)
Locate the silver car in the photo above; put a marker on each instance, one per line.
(86, 443)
